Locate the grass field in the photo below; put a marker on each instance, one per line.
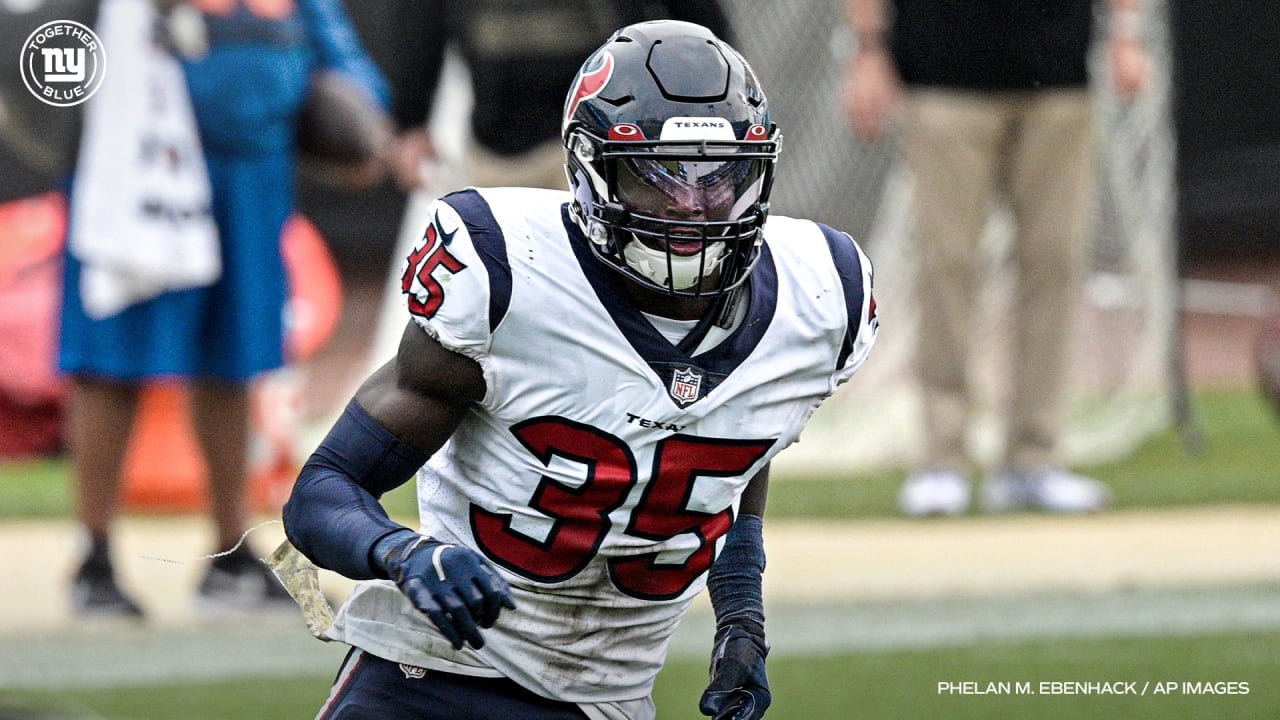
(1237, 465)
(884, 685)
(1240, 464)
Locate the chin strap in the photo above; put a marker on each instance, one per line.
(727, 308)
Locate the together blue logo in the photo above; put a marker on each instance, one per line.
(63, 63)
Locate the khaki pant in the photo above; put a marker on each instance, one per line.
(966, 150)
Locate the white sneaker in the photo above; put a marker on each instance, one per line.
(1051, 489)
(934, 492)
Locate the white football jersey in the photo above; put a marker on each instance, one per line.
(604, 465)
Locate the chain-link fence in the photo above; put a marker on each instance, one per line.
(1121, 379)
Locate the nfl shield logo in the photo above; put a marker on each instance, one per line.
(412, 673)
(685, 385)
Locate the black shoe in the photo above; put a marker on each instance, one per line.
(94, 592)
(239, 582)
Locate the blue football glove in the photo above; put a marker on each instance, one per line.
(739, 688)
(452, 585)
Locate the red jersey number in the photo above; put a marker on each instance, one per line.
(580, 514)
(432, 256)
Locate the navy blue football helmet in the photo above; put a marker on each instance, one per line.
(670, 154)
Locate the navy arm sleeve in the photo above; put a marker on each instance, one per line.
(333, 516)
(735, 581)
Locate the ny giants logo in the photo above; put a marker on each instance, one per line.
(63, 63)
(589, 83)
(429, 258)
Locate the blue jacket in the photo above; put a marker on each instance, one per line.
(247, 89)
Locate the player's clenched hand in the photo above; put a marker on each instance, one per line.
(739, 688)
(451, 584)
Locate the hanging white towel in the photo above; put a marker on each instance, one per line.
(141, 213)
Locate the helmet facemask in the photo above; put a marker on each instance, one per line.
(682, 218)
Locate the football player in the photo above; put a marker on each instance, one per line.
(589, 391)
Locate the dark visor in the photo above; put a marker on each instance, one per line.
(733, 184)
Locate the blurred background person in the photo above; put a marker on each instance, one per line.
(187, 155)
(521, 55)
(361, 223)
(995, 106)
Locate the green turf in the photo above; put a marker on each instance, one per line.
(228, 700)
(1238, 464)
(1240, 460)
(904, 684)
(35, 488)
(882, 685)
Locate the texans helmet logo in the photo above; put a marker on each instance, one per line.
(589, 83)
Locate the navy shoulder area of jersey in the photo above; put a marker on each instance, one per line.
(490, 244)
(849, 260)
